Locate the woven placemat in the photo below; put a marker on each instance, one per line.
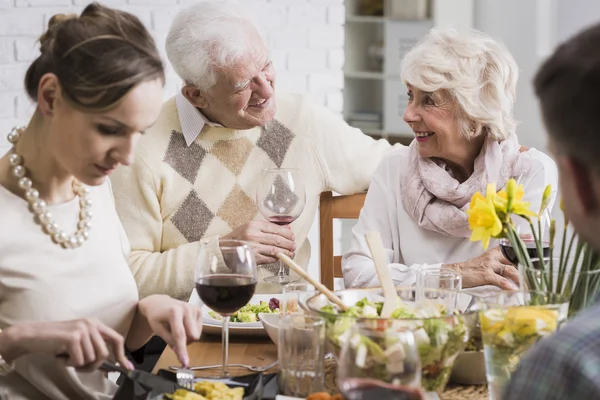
(465, 392)
(452, 392)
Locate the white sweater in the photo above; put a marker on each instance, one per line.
(40, 281)
(410, 247)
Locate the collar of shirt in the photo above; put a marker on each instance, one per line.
(191, 119)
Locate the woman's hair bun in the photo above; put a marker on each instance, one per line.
(53, 23)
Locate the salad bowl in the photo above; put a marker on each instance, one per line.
(441, 334)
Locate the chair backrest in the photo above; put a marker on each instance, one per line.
(330, 208)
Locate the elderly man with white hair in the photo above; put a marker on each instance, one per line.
(461, 90)
(197, 170)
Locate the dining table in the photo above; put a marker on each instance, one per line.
(261, 351)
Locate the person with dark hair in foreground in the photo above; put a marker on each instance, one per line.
(567, 364)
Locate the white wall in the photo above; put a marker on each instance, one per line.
(575, 15)
(306, 38)
(531, 29)
(514, 23)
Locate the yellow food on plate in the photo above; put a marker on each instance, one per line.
(182, 394)
(210, 391)
(218, 391)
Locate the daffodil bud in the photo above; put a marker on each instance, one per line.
(511, 188)
(545, 199)
(562, 208)
(490, 191)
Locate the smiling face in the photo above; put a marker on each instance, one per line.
(243, 96)
(433, 117)
(91, 145)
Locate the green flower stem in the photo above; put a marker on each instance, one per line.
(564, 262)
(562, 249)
(537, 239)
(574, 269)
(522, 255)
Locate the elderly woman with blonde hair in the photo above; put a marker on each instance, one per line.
(461, 90)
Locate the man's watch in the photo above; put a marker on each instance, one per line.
(5, 368)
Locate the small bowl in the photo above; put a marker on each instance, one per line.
(271, 323)
(469, 368)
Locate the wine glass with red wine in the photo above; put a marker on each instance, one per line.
(225, 280)
(379, 362)
(527, 237)
(280, 198)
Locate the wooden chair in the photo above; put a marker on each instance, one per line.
(330, 208)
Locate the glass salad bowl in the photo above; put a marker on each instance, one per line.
(440, 333)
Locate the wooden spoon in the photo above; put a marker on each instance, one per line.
(390, 296)
(318, 285)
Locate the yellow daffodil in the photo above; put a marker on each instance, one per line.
(483, 220)
(511, 200)
(503, 326)
(531, 320)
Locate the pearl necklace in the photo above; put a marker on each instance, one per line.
(39, 207)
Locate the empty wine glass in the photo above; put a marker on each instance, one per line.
(379, 362)
(225, 278)
(280, 199)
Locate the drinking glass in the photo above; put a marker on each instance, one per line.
(381, 364)
(225, 278)
(527, 237)
(438, 278)
(280, 199)
(301, 351)
(511, 323)
(293, 295)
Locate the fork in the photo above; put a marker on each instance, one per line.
(248, 367)
(185, 378)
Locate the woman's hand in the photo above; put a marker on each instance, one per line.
(83, 343)
(490, 268)
(178, 323)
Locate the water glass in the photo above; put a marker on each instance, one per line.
(438, 278)
(301, 351)
(511, 323)
(293, 295)
(378, 362)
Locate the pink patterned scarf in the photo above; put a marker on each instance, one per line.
(437, 201)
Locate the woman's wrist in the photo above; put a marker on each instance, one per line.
(11, 344)
(140, 331)
(451, 266)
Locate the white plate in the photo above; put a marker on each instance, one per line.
(214, 326)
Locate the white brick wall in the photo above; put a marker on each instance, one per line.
(305, 36)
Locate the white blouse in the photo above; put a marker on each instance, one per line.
(40, 281)
(410, 247)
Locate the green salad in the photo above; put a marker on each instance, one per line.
(249, 313)
(439, 336)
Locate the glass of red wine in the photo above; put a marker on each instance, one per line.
(542, 230)
(379, 362)
(225, 280)
(280, 198)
